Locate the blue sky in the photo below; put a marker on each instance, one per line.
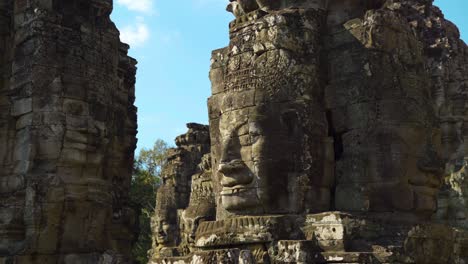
(172, 41)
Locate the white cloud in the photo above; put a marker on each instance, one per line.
(144, 6)
(135, 35)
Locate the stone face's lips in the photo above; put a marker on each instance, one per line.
(161, 238)
(238, 199)
(236, 191)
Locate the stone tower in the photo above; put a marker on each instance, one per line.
(185, 196)
(337, 136)
(68, 133)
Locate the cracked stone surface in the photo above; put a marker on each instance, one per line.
(68, 133)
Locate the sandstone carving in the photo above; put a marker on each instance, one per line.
(271, 128)
(337, 136)
(201, 206)
(185, 197)
(68, 133)
(383, 115)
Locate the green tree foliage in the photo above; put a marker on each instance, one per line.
(145, 181)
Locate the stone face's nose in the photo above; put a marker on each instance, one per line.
(230, 148)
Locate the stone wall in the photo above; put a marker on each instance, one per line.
(68, 133)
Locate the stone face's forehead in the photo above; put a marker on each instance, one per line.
(234, 120)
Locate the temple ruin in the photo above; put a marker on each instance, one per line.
(337, 135)
(68, 134)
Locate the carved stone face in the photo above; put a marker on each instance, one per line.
(163, 232)
(262, 158)
(246, 156)
(268, 124)
(164, 222)
(202, 202)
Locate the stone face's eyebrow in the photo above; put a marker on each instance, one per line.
(230, 130)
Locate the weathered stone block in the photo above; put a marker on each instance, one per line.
(352, 198)
(24, 121)
(73, 155)
(75, 107)
(21, 107)
(11, 184)
(50, 234)
(50, 103)
(49, 149)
